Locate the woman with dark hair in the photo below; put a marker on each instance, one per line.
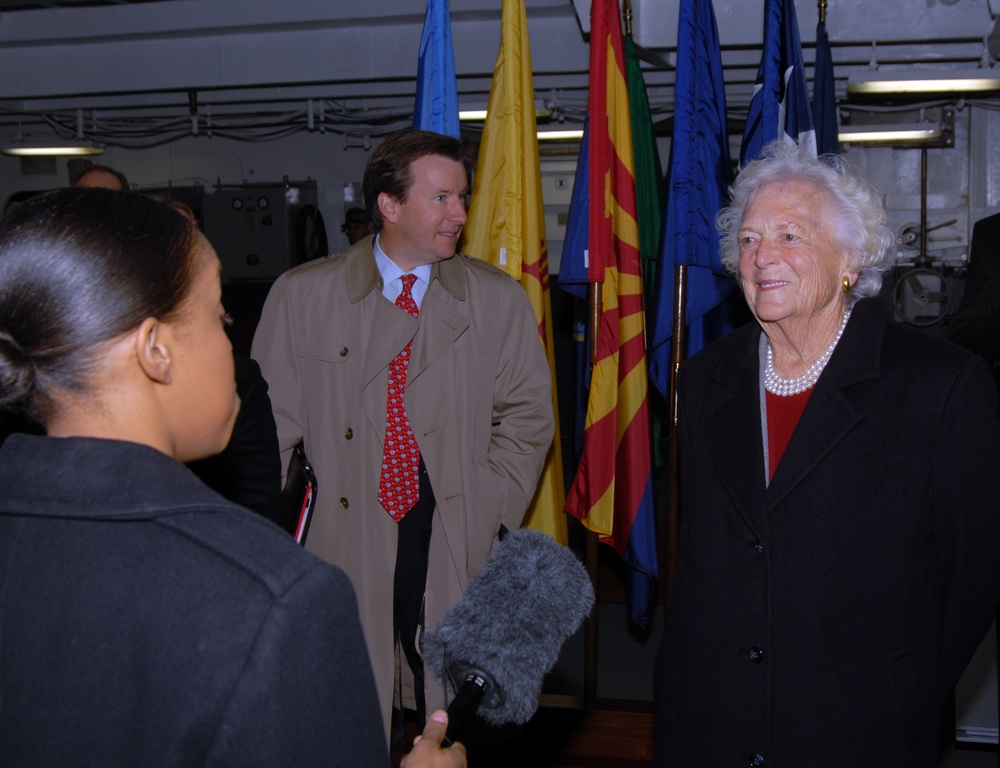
(146, 620)
(839, 535)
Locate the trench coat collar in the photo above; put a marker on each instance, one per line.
(732, 415)
(363, 276)
(443, 314)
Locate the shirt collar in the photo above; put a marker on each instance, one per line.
(390, 270)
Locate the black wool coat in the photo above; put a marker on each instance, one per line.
(824, 619)
(145, 621)
(976, 325)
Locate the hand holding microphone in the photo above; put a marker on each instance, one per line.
(427, 751)
(495, 646)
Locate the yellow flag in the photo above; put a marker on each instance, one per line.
(506, 223)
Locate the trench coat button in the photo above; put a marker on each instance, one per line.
(756, 760)
(344, 502)
(759, 547)
(756, 655)
(343, 351)
(349, 433)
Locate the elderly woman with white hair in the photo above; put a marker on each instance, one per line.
(840, 475)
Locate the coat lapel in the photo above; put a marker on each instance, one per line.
(830, 415)
(392, 328)
(732, 425)
(440, 323)
(443, 316)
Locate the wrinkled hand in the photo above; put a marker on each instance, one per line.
(427, 751)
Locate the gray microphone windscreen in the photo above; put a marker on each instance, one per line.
(525, 602)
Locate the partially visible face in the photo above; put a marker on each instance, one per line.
(426, 227)
(99, 180)
(204, 402)
(791, 264)
(356, 231)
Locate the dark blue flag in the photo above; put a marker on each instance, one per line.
(573, 267)
(574, 278)
(697, 182)
(824, 96)
(436, 107)
(780, 104)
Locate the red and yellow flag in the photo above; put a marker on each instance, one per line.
(506, 223)
(613, 485)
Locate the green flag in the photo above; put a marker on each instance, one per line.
(648, 174)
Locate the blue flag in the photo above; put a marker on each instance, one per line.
(436, 107)
(780, 104)
(573, 278)
(697, 185)
(573, 266)
(824, 96)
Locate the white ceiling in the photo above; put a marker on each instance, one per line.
(350, 65)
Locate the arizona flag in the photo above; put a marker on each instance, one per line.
(506, 224)
(612, 493)
(780, 103)
(436, 107)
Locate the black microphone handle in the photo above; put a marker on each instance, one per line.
(465, 703)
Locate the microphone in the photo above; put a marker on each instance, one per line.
(494, 647)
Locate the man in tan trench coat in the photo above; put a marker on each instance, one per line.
(477, 396)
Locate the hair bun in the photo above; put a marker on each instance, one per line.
(17, 373)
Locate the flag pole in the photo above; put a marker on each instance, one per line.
(591, 554)
(821, 7)
(678, 350)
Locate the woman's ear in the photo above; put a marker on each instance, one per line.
(153, 349)
(850, 266)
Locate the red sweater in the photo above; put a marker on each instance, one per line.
(783, 415)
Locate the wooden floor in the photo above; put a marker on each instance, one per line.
(575, 738)
(619, 735)
(570, 738)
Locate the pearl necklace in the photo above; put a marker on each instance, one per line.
(776, 385)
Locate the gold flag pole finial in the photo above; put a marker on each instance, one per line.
(627, 13)
(821, 5)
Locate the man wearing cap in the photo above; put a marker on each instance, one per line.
(355, 225)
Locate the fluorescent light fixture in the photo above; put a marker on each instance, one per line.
(479, 115)
(870, 134)
(918, 81)
(54, 148)
(560, 135)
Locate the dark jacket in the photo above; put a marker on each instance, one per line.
(146, 621)
(976, 325)
(823, 620)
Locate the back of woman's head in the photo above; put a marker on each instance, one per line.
(79, 267)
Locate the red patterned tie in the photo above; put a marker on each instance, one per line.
(399, 486)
